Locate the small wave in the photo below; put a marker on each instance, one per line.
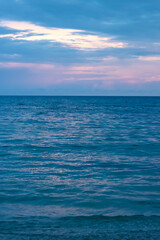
(21, 104)
(82, 228)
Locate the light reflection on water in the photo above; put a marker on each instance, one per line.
(79, 156)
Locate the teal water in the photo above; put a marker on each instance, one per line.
(80, 168)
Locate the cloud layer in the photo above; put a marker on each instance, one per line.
(68, 37)
(77, 46)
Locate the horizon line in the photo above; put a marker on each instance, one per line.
(32, 95)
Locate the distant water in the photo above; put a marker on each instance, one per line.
(80, 168)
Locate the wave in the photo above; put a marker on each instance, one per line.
(82, 227)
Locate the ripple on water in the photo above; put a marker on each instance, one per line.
(70, 163)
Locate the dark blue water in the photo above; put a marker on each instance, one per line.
(80, 168)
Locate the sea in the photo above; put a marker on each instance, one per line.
(82, 168)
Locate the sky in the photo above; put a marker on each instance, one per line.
(79, 47)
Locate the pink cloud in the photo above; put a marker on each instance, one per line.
(26, 65)
(106, 73)
(149, 58)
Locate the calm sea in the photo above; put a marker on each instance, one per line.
(80, 168)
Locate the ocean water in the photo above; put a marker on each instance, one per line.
(80, 168)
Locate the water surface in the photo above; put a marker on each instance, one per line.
(80, 168)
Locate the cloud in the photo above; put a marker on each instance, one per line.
(115, 73)
(6, 55)
(149, 58)
(26, 65)
(62, 79)
(73, 38)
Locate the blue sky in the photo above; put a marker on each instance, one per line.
(77, 47)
